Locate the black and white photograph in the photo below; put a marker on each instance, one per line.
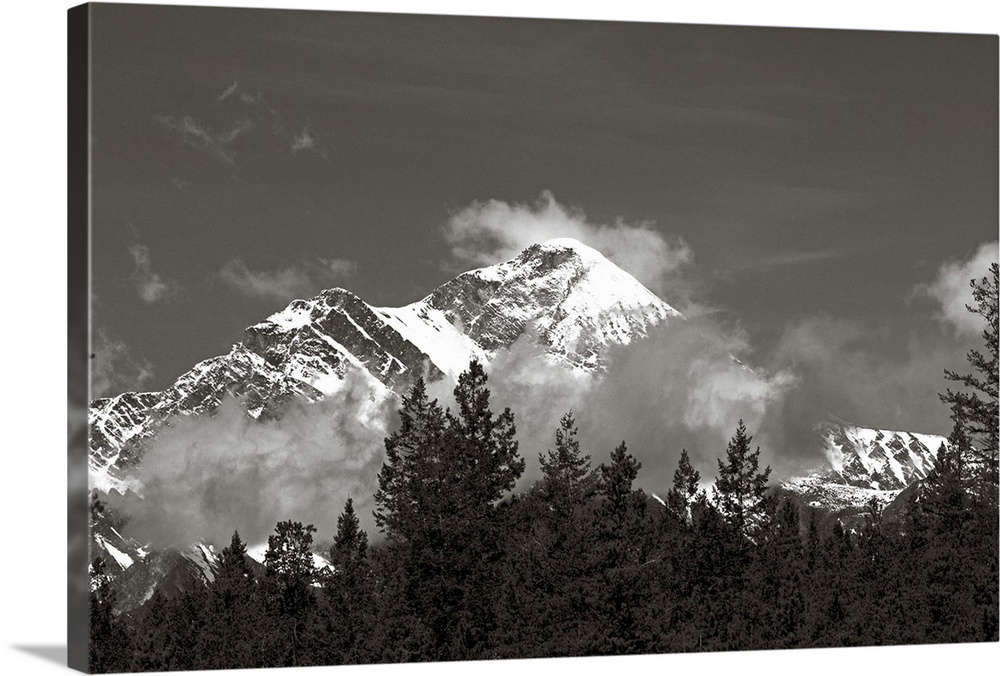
(436, 338)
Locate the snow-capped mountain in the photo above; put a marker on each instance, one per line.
(572, 299)
(565, 297)
(562, 296)
(865, 463)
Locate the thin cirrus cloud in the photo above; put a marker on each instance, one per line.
(305, 278)
(489, 232)
(114, 368)
(151, 286)
(230, 90)
(952, 292)
(238, 114)
(216, 144)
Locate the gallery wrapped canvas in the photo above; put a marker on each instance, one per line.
(422, 338)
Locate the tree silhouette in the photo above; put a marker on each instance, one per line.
(976, 409)
(740, 489)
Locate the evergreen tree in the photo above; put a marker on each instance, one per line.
(740, 490)
(976, 410)
(547, 598)
(349, 592)
(486, 443)
(567, 480)
(623, 511)
(775, 584)
(624, 543)
(350, 545)
(110, 644)
(685, 491)
(413, 461)
(437, 502)
(944, 499)
(233, 613)
(289, 575)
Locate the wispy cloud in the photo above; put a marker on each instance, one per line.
(152, 286)
(114, 368)
(213, 143)
(301, 279)
(489, 232)
(229, 92)
(239, 127)
(236, 114)
(952, 291)
(304, 140)
(779, 259)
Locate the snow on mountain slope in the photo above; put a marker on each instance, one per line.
(864, 463)
(565, 297)
(573, 300)
(878, 459)
(570, 299)
(318, 340)
(430, 329)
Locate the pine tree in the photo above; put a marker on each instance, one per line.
(623, 508)
(350, 545)
(233, 613)
(110, 644)
(349, 593)
(775, 583)
(740, 491)
(486, 443)
(944, 498)
(289, 575)
(413, 463)
(567, 480)
(977, 410)
(551, 568)
(624, 542)
(685, 491)
(437, 502)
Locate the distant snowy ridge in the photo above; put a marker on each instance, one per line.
(864, 463)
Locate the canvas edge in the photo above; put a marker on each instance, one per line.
(78, 333)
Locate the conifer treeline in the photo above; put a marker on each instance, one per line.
(583, 563)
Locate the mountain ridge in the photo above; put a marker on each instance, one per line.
(565, 297)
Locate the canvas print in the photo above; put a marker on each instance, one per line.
(434, 338)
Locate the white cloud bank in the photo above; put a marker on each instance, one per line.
(952, 290)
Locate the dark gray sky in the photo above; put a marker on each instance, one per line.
(815, 179)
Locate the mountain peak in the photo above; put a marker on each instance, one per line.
(559, 251)
(570, 243)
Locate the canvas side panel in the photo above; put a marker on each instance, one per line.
(78, 338)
